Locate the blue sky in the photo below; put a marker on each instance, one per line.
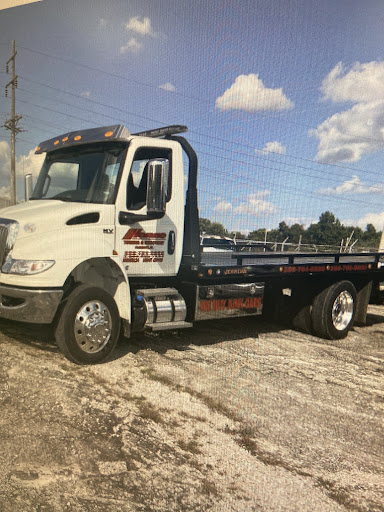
(283, 99)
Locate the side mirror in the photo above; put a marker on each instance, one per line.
(157, 188)
(28, 186)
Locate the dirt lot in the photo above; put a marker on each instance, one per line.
(230, 416)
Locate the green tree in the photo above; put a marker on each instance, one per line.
(212, 228)
(328, 231)
(370, 237)
(258, 234)
(295, 232)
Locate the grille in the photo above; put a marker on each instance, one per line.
(3, 242)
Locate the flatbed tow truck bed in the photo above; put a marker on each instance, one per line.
(288, 263)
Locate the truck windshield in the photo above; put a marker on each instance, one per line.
(84, 174)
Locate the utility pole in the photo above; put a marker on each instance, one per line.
(11, 124)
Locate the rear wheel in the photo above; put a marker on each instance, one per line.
(88, 326)
(333, 311)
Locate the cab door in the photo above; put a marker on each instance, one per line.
(150, 246)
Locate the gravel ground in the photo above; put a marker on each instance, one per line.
(236, 415)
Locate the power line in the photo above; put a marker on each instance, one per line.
(137, 82)
(354, 169)
(98, 70)
(208, 154)
(237, 161)
(217, 138)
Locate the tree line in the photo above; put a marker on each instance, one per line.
(327, 231)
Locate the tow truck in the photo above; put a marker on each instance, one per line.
(108, 242)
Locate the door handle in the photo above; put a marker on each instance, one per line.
(171, 242)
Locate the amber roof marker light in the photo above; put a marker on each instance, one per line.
(108, 134)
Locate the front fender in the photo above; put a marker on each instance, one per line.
(68, 248)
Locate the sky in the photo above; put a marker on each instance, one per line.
(283, 99)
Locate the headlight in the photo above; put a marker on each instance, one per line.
(26, 267)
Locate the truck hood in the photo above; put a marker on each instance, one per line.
(42, 216)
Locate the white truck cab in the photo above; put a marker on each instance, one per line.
(107, 206)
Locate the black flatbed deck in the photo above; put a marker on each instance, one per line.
(217, 264)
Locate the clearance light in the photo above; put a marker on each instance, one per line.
(118, 132)
(38, 148)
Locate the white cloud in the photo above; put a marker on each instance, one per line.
(140, 26)
(223, 206)
(103, 22)
(133, 46)
(348, 135)
(168, 87)
(256, 205)
(353, 186)
(303, 221)
(5, 192)
(5, 153)
(363, 83)
(377, 219)
(249, 93)
(272, 147)
(86, 94)
(29, 164)
(25, 164)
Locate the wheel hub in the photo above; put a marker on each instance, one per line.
(342, 310)
(93, 326)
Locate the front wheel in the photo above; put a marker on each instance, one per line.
(88, 326)
(333, 311)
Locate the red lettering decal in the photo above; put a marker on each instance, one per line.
(205, 305)
(253, 303)
(289, 269)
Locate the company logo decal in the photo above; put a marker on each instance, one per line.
(143, 246)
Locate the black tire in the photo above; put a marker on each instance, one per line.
(333, 311)
(88, 325)
(302, 320)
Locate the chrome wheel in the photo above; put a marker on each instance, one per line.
(342, 310)
(93, 326)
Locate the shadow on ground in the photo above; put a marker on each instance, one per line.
(204, 333)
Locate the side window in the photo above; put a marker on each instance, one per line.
(138, 176)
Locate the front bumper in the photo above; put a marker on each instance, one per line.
(29, 305)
